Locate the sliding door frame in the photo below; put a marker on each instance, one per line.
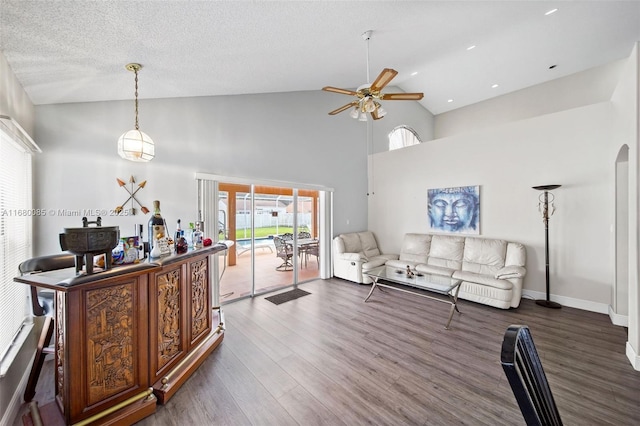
(208, 202)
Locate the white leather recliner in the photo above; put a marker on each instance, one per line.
(355, 253)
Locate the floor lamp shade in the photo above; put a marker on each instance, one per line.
(547, 208)
(135, 145)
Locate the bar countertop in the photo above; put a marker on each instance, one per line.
(62, 279)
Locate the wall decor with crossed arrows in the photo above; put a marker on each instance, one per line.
(132, 196)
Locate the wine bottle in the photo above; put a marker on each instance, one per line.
(156, 225)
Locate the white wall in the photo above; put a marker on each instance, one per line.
(567, 148)
(625, 131)
(285, 137)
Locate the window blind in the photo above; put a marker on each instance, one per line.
(15, 233)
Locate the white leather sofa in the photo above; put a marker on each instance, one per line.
(355, 253)
(491, 270)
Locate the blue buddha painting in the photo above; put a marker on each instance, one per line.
(454, 210)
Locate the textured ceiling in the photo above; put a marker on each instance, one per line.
(75, 51)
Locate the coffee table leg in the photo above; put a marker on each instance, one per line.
(373, 287)
(454, 306)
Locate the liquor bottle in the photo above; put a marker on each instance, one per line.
(181, 245)
(156, 225)
(197, 237)
(141, 249)
(178, 234)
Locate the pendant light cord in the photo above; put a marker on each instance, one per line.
(136, 97)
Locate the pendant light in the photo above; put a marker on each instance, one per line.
(135, 145)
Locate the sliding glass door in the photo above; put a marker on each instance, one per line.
(276, 232)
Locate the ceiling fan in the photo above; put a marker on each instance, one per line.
(370, 94)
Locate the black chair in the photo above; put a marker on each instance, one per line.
(526, 376)
(42, 304)
(284, 251)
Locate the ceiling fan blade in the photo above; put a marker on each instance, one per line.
(341, 91)
(344, 107)
(383, 79)
(401, 96)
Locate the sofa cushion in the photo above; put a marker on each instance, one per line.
(368, 244)
(351, 243)
(435, 270)
(446, 251)
(402, 264)
(484, 255)
(415, 248)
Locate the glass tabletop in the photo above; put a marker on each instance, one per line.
(436, 283)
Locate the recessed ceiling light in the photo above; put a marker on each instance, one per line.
(493, 86)
(550, 12)
(450, 100)
(473, 46)
(414, 73)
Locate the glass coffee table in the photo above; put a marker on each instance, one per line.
(419, 284)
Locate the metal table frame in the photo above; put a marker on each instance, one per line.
(409, 285)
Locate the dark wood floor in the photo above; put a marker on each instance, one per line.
(330, 359)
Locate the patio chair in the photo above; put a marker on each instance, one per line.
(42, 304)
(284, 251)
(313, 250)
(526, 376)
(304, 235)
(302, 249)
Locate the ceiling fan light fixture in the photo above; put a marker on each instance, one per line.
(368, 105)
(135, 145)
(369, 94)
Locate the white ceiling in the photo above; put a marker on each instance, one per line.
(75, 51)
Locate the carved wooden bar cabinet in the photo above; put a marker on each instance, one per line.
(129, 337)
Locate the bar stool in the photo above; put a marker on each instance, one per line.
(42, 304)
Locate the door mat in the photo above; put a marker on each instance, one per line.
(286, 296)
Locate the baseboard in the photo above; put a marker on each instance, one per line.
(570, 302)
(633, 357)
(617, 319)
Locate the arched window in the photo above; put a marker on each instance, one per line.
(403, 136)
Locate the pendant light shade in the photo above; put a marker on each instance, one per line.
(136, 145)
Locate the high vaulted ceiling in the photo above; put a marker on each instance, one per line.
(75, 51)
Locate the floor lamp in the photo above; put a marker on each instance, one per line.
(544, 201)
